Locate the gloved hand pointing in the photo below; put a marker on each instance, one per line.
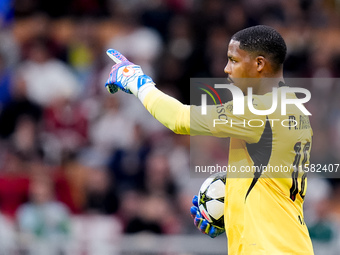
(125, 75)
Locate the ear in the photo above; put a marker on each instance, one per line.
(260, 63)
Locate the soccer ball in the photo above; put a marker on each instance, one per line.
(211, 199)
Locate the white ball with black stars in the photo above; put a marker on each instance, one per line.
(211, 199)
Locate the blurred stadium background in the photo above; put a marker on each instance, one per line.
(85, 172)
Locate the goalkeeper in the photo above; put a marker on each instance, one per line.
(262, 215)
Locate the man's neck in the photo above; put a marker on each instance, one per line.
(266, 85)
(267, 81)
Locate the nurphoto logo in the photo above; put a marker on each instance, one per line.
(238, 100)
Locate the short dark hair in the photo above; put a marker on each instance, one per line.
(263, 40)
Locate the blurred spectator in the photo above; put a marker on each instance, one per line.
(63, 189)
(25, 138)
(65, 127)
(6, 12)
(70, 182)
(178, 158)
(158, 179)
(154, 215)
(43, 222)
(322, 225)
(154, 202)
(101, 194)
(94, 234)
(9, 47)
(105, 131)
(47, 78)
(7, 236)
(14, 182)
(127, 167)
(18, 107)
(5, 83)
(129, 206)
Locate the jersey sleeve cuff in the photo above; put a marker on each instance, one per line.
(145, 90)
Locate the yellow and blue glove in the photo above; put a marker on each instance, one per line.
(125, 75)
(202, 224)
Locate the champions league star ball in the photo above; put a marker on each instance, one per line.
(211, 199)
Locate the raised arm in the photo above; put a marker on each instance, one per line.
(130, 78)
(180, 118)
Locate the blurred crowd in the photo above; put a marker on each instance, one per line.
(68, 147)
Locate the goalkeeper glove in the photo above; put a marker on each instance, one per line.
(202, 224)
(126, 76)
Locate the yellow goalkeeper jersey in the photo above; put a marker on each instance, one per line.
(264, 196)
